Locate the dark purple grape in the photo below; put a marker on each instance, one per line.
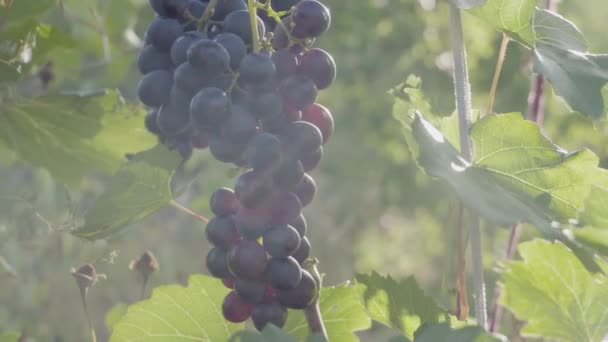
(263, 151)
(209, 107)
(235, 308)
(179, 49)
(256, 68)
(193, 12)
(286, 207)
(171, 122)
(285, 62)
(311, 160)
(155, 88)
(190, 79)
(303, 251)
(228, 282)
(168, 8)
(267, 105)
(162, 32)
(223, 202)
(302, 295)
(238, 23)
(283, 273)
(252, 291)
(298, 91)
(289, 175)
(225, 151)
(253, 188)
(311, 18)
(199, 140)
(301, 138)
(300, 225)
(247, 260)
(252, 223)
(209, 56)
(240, 126)
(281, 241)
(150, 59)
(319, 66)
(180, 99)
(150, 122)
(217, 263)
(320, 116)
(224, 7)
(235, 46)
(221, 231)
(269, 312)
(306, 190)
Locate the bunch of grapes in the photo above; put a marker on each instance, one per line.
(209, 84)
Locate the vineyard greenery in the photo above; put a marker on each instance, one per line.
(437, 170)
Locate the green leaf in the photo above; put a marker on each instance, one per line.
(467, 4)
(401, 305)
(343, 314)
(576, 76)
(115, 314)
(175, 313)
(513, 17)
(443, 332)
(74, 135)
(24, 9)
(139, 188)
(270, 333)
(10, 337)
(552, 292)
(552, 28)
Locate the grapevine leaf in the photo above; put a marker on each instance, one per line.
(467, 4)
(552, 28)
(443, 332)
(10, 337)
(342, 311)
(139, 188)
(401, 305)
(594, 218)
(270, 333)
(176, 313)
(552, 292)
(513, 17)
(73, 135)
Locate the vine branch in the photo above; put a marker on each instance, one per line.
(499, 64)
(462, 89)
(253, 21)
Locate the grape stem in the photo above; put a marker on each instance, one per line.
(462, 88)
(187, 211)
(315, 321)
(499, 64)
(204, 21)
(253, 21)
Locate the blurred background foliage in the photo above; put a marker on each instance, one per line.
(374, 208)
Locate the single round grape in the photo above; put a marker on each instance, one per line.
(253, 188)
(319, 116)
(252, 223)
(319, 66)
(298, 91)
(209, 56)
(300, 225)
(224, 7)
(285, 62)
(221, 231)
(217, 263)
(247, 260)
(263, 151)
(171, 122)
(199, 140)
(265, 105)
(289, 175)
(190, 79)
(256, 68)
(306, 190)
(150, 122)
(210, 106)
(235, 46)
(286, 208)
(253, 291)
(269, 312)
(237, 22)
(223, 202)
(283, 273)
(301, 138)
(235, 308)
(311, 160)
(179, 49)
(303, 251)
(302, 295)
(311, 18)
(240, 126)
(155, 88)
(150, 59)
(281, 241)
(162, 32)
(225, 151)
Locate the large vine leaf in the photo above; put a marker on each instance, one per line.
(343, 314)
(73, 135)
(139, 188)
(552, 292)
(444, 332)
(401, 305)
(513, 17)
(595, 218)
(175, 313)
